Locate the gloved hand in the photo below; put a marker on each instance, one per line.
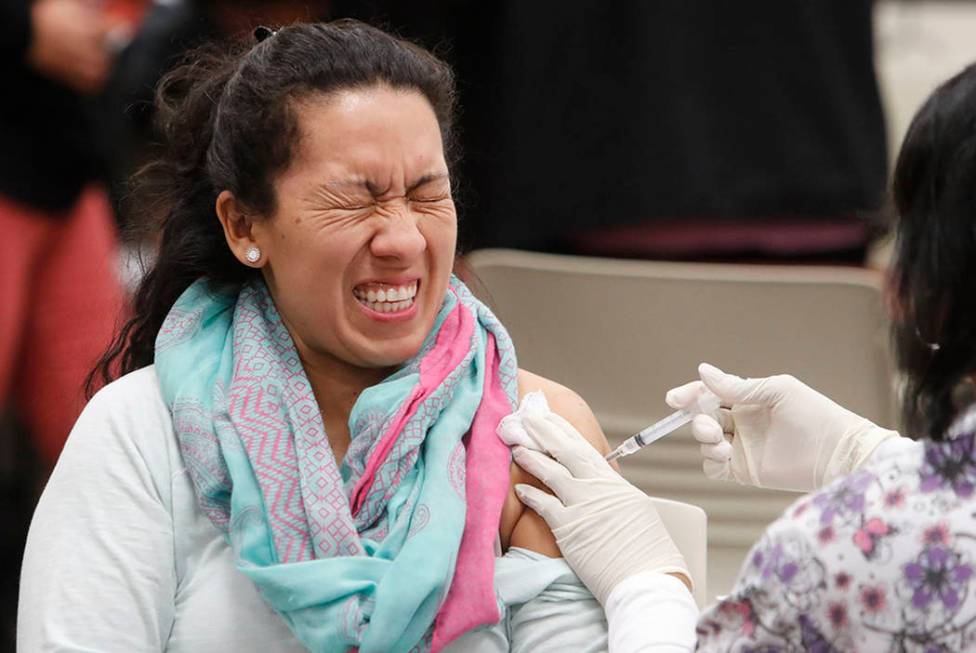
(607, 529)
(776, 432)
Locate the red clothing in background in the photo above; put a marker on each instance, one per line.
(60, 300)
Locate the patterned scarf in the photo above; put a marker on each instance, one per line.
(394, 551)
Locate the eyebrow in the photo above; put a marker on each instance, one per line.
(376, 191)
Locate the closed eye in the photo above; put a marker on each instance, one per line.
(430, 199)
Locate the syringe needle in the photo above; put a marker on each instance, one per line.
(706, 403)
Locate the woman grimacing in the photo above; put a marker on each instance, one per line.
(882, 554)
(302, 449)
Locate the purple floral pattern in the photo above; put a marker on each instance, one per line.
(883, 560)
(938, 574)
(845, 501)
(950, 466)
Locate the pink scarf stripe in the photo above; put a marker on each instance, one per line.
(471, 599)
(452, 345)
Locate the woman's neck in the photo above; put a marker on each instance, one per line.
(337, 385)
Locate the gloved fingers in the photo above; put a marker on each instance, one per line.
(549, 507)
(512, 432)
(552, 474)
(707, 430)
(725, 420)
(731, 389)
(579, 455)
(684, 395)
(551, 432)
(716, 471)
(563, 442)
(720, 453)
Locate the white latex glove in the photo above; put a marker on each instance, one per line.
(607, 529)
(776, 432)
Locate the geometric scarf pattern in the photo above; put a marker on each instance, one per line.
(394, 549)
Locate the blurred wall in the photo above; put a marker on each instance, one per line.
(919, 45)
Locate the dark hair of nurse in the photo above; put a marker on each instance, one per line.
(934, 278)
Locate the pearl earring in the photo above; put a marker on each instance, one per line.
(253, 254)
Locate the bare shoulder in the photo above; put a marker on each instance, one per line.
(567, 403)
(520, 526)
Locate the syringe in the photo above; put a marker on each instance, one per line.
(706, 403)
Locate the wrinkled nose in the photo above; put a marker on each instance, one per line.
(399, 238)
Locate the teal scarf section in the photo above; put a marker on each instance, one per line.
(361, 555)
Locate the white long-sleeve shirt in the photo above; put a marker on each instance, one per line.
(651, 612)
(121, 558)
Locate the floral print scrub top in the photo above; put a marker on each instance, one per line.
(882, 560)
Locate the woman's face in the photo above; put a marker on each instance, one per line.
(360, 250)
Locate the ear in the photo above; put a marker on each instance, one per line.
(237, 226)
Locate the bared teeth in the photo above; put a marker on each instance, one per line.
(386, 299)
(386, 307)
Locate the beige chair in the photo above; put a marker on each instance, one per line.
(621, 333)
(688, 527)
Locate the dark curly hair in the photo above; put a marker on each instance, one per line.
(225, 117)
(934, 275)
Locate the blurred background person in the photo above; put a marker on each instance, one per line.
(57, 284)
(166, 30)
(59, 296)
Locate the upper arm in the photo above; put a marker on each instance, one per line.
(567, 404)
(520, 525)
(99, 570)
